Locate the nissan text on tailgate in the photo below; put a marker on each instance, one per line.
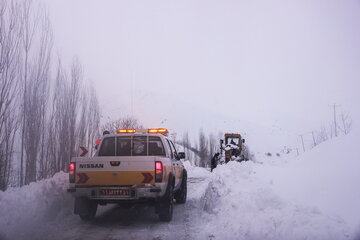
(130, 167)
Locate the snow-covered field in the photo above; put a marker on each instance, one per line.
(313, 196)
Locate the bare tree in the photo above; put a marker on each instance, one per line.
(203, 150)
(121, 123)
(322, 135)
(83, 121)
(94, 115)
(36, 96)
(59, 120)
(89, 119)
(212, 145)
(187, 146)
(10, 43)
(346, 123)
(74, 97)
(196, 157)
(66, 105)
(75, 116)
(29, 25)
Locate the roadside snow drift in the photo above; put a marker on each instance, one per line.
(25, 211)
(326, 177)
(312, 196)
(240, 205)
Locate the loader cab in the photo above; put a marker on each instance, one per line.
(234, 138)
(231, 145)
(234, 141)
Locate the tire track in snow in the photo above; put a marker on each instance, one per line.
(114, 223)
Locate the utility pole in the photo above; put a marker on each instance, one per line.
(313, 138)
(335, 125)
(302, 140)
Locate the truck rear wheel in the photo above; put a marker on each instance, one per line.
(85, 208)
(167, 204)
(181, 194)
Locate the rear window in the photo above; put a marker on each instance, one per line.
(132, 146)
(123, 146)
(156, 147)
(139, 146)
(107, 147)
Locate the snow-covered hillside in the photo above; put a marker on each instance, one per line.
(313, 196)
(325, 177)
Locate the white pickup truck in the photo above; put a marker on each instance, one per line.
(130, 167)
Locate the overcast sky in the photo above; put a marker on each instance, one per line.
(205, 63)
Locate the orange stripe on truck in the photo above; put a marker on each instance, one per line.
(115, 178)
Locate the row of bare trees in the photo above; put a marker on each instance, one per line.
(203, 150)
(46, 111)
(10, 63)
(343, 126)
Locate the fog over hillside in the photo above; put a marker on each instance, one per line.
(269, 63)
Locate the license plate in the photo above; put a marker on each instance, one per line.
(115, 192)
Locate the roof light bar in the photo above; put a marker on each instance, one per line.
(126, 130)
(163, 131)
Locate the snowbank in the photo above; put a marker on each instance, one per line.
(24, 210)
(240, 205)
(325, 177)
(313, 196)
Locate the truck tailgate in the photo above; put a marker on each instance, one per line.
(115, 171)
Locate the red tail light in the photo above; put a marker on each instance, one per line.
(158, 171)
(71, 167)
(72, 172)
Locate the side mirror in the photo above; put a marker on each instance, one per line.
(243, 140)
(181, 155)
(221, 141)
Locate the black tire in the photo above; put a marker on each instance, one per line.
(89, 214)
(167, 204)
(181, 194)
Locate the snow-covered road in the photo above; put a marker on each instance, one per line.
(282, 198)
(112, 222)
